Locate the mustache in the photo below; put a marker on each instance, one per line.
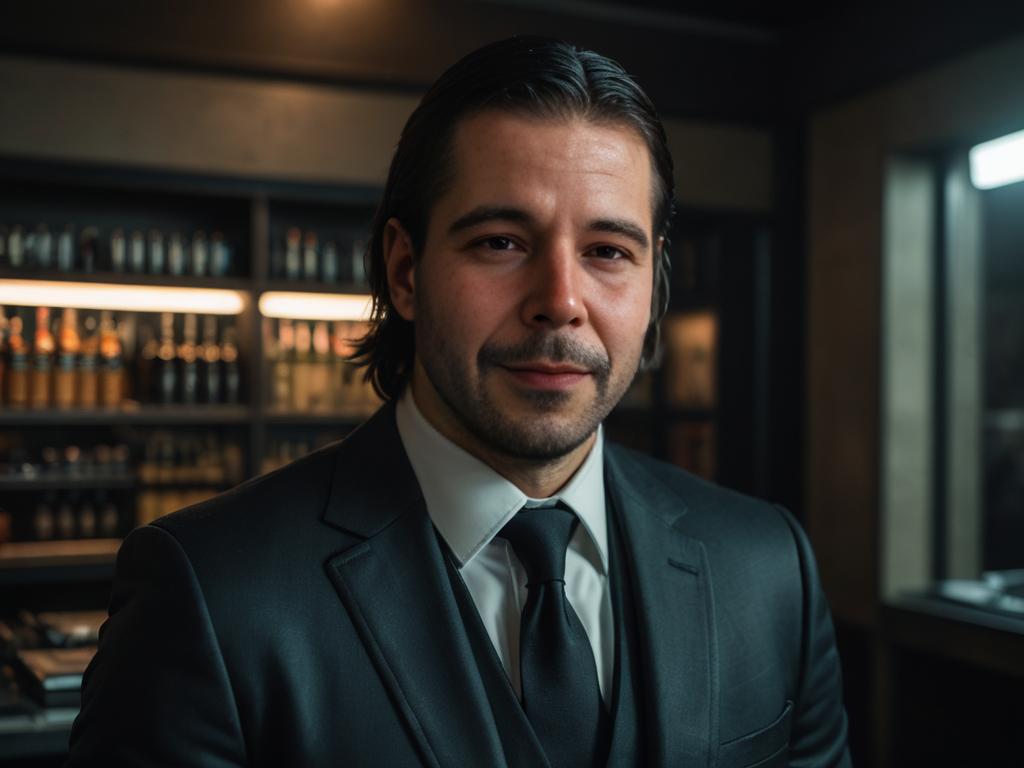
(556, 348)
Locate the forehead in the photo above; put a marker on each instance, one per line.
(501, 157)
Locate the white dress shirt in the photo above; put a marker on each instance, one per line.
(469, 503)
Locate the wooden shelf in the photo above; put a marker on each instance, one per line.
(314, 286)
(353, 416)
(39, 562)
(143, 414)
(63, 483)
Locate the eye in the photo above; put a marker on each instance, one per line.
(498, 243)
(609, 252)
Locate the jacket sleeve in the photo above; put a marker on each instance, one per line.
(819, 732)
(157, 692)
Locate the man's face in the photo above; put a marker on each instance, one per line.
(532, 292)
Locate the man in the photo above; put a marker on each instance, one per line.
(474, 578)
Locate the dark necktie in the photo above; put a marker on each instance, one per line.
(560, 692)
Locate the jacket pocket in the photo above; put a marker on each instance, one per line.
(764, 748)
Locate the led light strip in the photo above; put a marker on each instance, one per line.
(998, 162)
(315, 306)
(127, 298)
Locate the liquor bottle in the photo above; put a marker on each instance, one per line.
(111, 364)
(359, 261)
(17, 364)
(220, 255)
(309, 256)
(145, 375)
(88, 249)
(69, 345)
(301, 368)
(43, 521)
(117, 250)
(189, 366)
(137, 252)
(210, 356)
(86, 519)
(16, 247)
(110, 522)
(3, 247)
(40, 392)
(166, 375)
(88, 364)
(292, 259)
(156, 252)
(232, 370)
(66, 249)
(65, 520)
(319, 371)
(200, 254)
(282, 376)
(176, 255)
(44, 247)
(329, 268)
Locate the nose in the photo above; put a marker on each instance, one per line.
(554, 298)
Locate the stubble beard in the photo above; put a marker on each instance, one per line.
(540, 432)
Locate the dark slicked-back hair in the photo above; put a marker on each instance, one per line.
(531, 76)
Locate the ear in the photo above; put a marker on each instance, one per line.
(399, 263)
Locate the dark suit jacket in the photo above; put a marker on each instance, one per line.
(307, 618)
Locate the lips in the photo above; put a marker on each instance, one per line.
(540, 375)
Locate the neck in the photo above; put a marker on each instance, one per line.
(536, 478)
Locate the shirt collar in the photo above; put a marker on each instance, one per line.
(469, 503)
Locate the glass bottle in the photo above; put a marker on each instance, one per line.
(111, 362)
(69, 346)
(166, 374)
(17, 364)
(88, 364)
(41, 391)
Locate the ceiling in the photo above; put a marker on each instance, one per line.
(735, 60)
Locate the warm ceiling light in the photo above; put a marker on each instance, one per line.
(315, 306)
(998, 162)
(127, 298)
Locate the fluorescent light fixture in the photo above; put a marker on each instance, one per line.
(127, 298)
(998, 162)
(315, 306)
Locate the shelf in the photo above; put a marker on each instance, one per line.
(144, 414)
(59, 483)
(353, 417)
(314, 286)
(957, 631)
(127, 278)
(43, 731)
(35, 562)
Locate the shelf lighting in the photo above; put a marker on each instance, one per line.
(315, 306)
(998, 162)
(126, 298)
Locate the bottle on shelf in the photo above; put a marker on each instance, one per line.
(109, 517)
(301, 366)
(309, 256)
(329, 264)
(86, 520)
(200, 254)
(137, 253)
(146, 369)
(17, 364)
(40, 393)
(176, 255)
(220, 255)
(156, 252)
(320, 369)
(167, 376)
(44, 523)
(112, 385)
(3, 246)
(188, 373)
(88, 249)
(66, 527)
(118, 250)
(359, 261)
(3, 354)
(65, 386)
(66, 249)
(88, 363)
(43, 247)
(283, 359)
(292, 257)
(210, 354)
(231, 369)
(16, 247)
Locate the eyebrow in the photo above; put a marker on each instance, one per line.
(487, 213)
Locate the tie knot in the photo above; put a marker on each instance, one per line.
(540, 536)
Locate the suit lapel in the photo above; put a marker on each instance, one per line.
(394, 585)
(675, 608)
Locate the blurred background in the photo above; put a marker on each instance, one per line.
(185, 192)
